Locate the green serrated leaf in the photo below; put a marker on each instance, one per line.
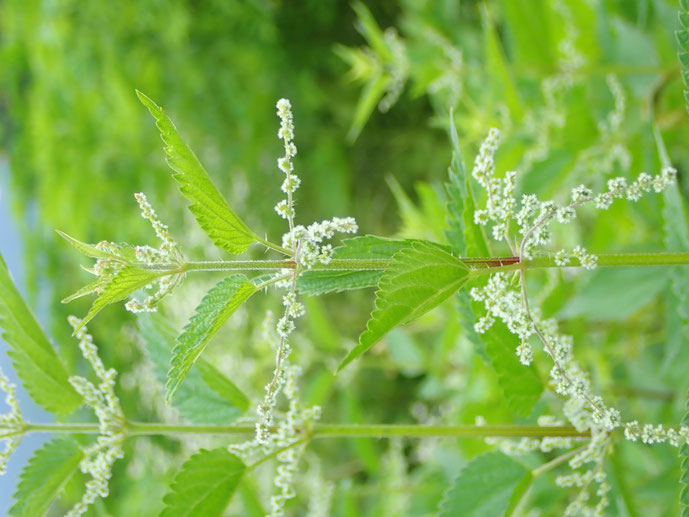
(211, 314)
(91, 288)
(44, 476)
(684, 59)
(204, 485)
(40, 369)
(521, 385)
(684, 19)
(365, 247)
(127, 280)
(683, 39)
(489, 484)
(90, 250)
(456, 190)
(419, 278)
(221, 224)
(206, 396)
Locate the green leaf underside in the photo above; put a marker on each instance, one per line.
(216, 218)
(40, 369)
(44, 476)
(127, 280)
(204, 485)
(419, 278)
(206, 396)
(490, 484)
(521, 385)
(216, 307)
(365, 247)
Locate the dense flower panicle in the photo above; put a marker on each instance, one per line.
(167, 253)
(169, 246)
(123, 255)
(285, 208)
(309, 240)
(101, 455)
(307, 248)
(11, 423)
(505, 301)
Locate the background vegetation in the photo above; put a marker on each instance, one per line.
(577, 88)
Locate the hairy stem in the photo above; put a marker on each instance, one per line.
(332, 430)
(481, 265)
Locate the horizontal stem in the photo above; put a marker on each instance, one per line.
(239, 265)
(604, 259)
(450, 431)
(482, 265)
(334, 430)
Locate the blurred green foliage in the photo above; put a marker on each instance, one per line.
(79, 145)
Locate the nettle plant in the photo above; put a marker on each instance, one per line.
(412, 276)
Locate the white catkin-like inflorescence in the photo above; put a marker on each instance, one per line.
(167, 253)
(11, 423)
(101, 455)
(505, 301)
(307, 246)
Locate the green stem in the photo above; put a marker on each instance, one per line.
(454, 431)
(604, 259)
(239, 265)
(479, 265)
(333, 430)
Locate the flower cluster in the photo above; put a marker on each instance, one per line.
(308, 241)
(11, 423)
(167, 253)
(285, 208)
(650, 433)
(535, 216)
(507, 301)
(288, 432)
(114, 257)
(305, 244)
(101, 455)
(500, 205)
(289, 437)
(527, 445)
